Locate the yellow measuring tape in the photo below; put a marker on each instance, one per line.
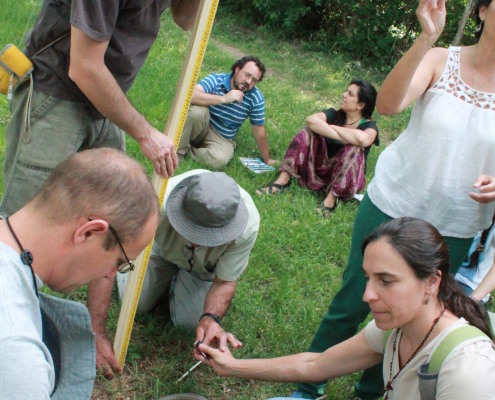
(190, 72)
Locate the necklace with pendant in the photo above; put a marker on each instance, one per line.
(388, 386)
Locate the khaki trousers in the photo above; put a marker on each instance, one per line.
(202, 141)
(185, 291)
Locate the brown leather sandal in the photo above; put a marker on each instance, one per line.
(325, 211)
(269, 189)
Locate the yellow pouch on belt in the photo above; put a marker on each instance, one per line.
(15, 67)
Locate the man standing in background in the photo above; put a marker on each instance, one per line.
(86, 54)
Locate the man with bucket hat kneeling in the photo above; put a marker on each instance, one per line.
(208, 227)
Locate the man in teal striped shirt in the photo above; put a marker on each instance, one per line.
(220, 104)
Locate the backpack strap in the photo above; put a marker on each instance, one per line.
(452, 340)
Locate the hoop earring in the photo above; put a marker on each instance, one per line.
(479, 27)
(427, 300)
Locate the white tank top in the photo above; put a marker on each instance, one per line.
(429, 170)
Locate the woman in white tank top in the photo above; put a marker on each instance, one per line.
(440, 169)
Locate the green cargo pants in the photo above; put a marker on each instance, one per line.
(43, 132)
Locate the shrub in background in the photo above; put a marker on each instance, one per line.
(375, 31)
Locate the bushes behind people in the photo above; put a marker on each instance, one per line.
(377, 31)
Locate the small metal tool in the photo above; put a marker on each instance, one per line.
(195, 365)
(189, 371)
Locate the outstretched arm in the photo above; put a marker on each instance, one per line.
(420, 67)
(349, 356)
(88, 70)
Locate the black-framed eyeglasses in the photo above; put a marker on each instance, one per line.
(128, 265)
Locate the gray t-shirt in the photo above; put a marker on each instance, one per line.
(131, 26)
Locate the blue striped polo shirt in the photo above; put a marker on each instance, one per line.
(226, 119)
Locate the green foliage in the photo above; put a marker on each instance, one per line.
(376, 31)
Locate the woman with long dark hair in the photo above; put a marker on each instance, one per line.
(440, 169)
(329, 154)
(415, 304)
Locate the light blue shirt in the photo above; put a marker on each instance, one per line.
(26, 366)
(27, 370)
(472, 277)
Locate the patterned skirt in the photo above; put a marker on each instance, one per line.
(307, 160)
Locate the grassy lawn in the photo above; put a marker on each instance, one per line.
(296, 265)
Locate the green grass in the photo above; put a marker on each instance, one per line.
(296, 265)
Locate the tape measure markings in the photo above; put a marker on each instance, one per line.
(128, 310)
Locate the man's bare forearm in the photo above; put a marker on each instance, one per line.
(219, 297)
(99, 298)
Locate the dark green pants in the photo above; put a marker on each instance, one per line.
(347, 309)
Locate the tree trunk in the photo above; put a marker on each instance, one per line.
(463, 22)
